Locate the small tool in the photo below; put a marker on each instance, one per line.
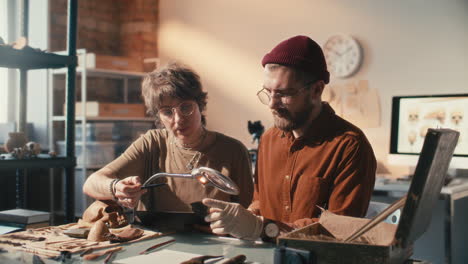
(156, 246)
(153, 185)
(239, 259)
(200, 259)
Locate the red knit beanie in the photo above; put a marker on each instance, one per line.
(300, 52)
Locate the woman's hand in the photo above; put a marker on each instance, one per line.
(128, 191)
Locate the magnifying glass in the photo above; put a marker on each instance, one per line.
(204, 175)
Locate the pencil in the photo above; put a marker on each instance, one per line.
(156, 246)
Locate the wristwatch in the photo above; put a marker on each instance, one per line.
(270, 231)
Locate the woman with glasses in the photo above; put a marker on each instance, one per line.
(173, 95)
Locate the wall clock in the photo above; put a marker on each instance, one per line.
(343, 55)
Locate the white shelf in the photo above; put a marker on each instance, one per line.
(98, 118)
(104, 73)
(130, 82)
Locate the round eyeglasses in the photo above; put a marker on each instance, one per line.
(184, 109)
(265, 96)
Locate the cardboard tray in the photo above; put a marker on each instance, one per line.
(424, 190)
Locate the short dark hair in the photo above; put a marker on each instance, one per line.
(172, 80)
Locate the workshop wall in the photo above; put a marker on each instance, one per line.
(410, 48)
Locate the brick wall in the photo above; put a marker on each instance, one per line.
(138, 32)
(109, 27)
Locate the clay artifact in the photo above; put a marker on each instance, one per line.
(108, 211)
(126, 235)
(97, 232)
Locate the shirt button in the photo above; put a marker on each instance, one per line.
(287, 208)
(286, 177)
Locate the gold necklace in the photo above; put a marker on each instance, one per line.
(193, 163)
(192, 145)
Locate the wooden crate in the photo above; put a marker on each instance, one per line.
(328, 251)
(424, 191)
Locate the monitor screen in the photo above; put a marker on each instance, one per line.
(413, 115)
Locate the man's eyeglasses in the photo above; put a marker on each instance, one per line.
(265, 96)
(185, 109)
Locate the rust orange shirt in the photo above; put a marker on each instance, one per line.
(331, 166)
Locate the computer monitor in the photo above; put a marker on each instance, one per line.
(413, 115)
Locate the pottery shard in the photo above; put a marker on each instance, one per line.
(98, 232)
(77, 232)
(127, 234)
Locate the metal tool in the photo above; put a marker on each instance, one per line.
(156, 246)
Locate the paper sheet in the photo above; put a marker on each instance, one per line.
(355, 101)
(165, 256)
(341, 227)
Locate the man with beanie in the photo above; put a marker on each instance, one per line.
(310, 159)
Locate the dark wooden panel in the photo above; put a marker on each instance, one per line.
(427, 182)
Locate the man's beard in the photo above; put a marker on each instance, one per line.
(288, 121)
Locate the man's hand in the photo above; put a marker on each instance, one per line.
(128, 191)
(233, 219)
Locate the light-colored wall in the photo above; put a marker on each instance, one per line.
(410, 47)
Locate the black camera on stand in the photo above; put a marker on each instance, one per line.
(256, 129)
